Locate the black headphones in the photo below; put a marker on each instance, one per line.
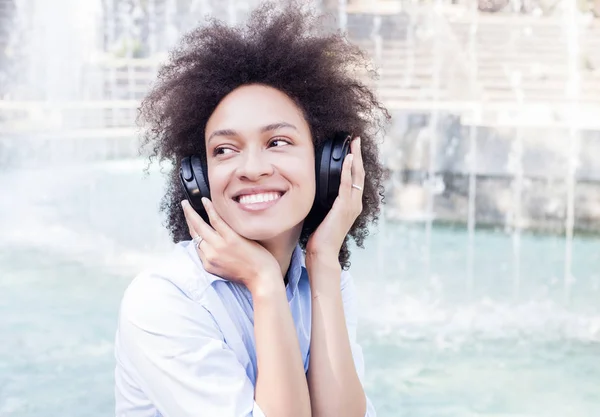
(329, 159)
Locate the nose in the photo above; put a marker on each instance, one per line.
(255, 163)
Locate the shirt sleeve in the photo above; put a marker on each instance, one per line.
(176, 352)
(351, 313)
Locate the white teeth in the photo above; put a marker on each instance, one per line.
(258, 198)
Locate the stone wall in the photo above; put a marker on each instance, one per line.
(523, 177)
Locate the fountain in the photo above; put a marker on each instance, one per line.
(571, 27)
(81, 83)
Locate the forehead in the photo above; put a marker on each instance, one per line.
(251, 107)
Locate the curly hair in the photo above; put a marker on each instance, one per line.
(282, 48)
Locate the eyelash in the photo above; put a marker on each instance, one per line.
(219, 148)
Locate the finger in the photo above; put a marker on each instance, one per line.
(202, 255)
(196, 225)
(215, 220)
(345, 191)
(358, 170)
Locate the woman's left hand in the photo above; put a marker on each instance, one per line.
(325, 243)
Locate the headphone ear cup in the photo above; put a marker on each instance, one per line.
(194, 183)
(329, 168)
(201, 177)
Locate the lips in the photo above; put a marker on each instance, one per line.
(256, 191)
(259, 198)
(255, 203)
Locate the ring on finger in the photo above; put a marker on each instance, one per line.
(197, 240)
(358, 187)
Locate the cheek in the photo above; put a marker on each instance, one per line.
(217, 183)
(306, 178)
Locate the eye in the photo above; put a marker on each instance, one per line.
(279, 142)
(221, 150)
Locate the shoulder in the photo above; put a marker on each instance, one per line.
(172, 288)
(158, 321)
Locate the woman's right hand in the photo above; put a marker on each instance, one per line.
(227, 254)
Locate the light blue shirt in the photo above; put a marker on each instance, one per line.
(185, 340)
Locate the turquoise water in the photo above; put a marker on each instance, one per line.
(515, 341)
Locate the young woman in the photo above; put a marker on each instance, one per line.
(254, 312)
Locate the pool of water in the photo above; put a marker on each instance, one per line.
(505, 335)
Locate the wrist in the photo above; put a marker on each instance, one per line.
(325, 278)
(266, 284)
(322, 260)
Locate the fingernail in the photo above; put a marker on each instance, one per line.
(183, 203)
(204, 201)
(358, 140)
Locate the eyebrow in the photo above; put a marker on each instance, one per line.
(267, 128)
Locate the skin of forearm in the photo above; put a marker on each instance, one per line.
(281, 386)
(334, 386)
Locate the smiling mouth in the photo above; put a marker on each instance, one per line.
(258, 201)
(259, 198)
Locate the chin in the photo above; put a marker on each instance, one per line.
(266, 232)
(260, 233)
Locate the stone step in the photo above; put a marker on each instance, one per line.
(422, 47)
(501, 56)
(484, 68)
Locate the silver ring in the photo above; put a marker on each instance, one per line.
(357, 187)
(197, 240)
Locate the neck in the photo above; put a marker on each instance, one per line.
(282, 248)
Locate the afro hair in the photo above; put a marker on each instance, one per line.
(285, 48)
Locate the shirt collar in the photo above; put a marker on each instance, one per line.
(294, 274)
(295, 270)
